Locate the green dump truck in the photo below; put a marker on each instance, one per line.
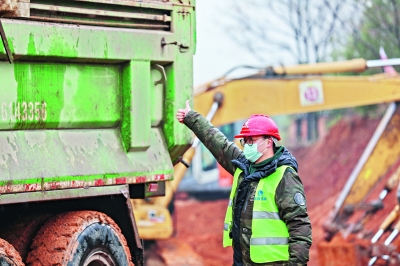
(88, 95)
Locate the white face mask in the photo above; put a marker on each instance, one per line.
(251, 152)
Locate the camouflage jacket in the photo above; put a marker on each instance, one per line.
(289, 195)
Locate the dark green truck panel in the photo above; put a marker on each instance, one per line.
(94, 104)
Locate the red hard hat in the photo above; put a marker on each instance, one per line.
(259, 125)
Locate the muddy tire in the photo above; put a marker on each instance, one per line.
(79, 238)
(21, 234)
(8, 255)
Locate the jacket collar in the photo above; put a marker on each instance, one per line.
(286, 158)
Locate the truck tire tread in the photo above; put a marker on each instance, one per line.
(9, 255)
(57, 240)
(21, 234)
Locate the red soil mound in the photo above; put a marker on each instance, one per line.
(325, 166)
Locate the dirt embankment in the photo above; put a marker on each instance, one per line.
(323, 167)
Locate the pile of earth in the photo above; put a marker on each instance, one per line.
(323, 167)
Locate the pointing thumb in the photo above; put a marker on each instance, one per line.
(188, 106)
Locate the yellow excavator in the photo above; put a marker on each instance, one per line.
(290, 90)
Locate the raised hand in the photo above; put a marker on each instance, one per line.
(180, 115)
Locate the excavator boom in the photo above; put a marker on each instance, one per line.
(280, 95)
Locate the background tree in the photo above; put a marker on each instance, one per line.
(296, 31)
(378, 25)
(289, 31)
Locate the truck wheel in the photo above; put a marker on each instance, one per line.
(21, 234)
(87, 238)
(8, 255)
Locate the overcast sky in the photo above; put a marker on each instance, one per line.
(216, 53)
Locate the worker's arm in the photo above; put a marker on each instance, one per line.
(223, 150)
(292, 205)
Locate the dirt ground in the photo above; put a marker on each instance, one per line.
(323, 167)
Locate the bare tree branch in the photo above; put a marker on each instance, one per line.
(300, 28)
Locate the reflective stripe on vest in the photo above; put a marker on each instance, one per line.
(230, 202)
(270, 236)
(269, 241)
(226, 227)
(226, 239)
(266, 215)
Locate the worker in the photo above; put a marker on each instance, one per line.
(266, 221)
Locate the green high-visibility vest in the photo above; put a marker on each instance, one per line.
(270, 236)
